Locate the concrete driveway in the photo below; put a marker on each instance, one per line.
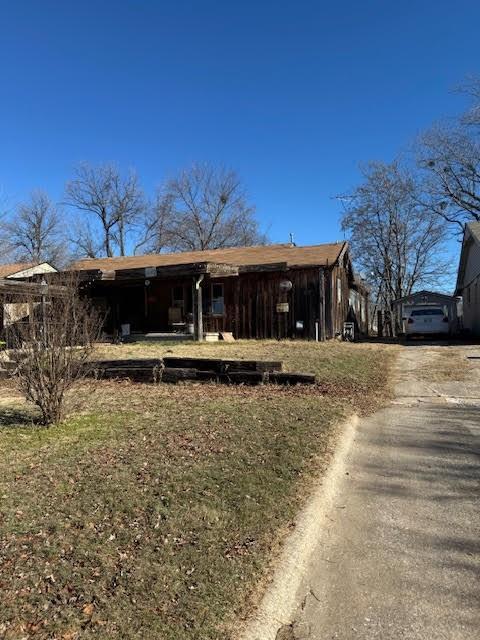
(399, 554)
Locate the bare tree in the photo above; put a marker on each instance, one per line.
(35, 231)
(158, 225)
(471, 88)
(396, 243)
(113, 205)
(84, 240)
(5, 249)
(449, 155)
(52, 346)
(206, 208)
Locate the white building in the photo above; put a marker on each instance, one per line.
(10, 311)
(468, 280)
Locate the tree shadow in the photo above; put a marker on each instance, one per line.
(17, 418)
(429, 489)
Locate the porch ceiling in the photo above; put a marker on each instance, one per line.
(211, 269)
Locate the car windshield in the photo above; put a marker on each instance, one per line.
(427, 312)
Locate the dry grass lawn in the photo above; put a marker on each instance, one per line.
(448, 365)
(152, 511)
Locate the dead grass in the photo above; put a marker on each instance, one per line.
(153, 511)
(446, 365)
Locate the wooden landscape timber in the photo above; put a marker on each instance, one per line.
(221, 365)
(173, 369)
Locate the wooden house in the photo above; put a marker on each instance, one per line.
(273, 291)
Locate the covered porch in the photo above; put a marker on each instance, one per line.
(162, 303)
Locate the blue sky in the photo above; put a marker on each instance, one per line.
(293, 95)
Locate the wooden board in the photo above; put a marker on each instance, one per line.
(223, 366)
(176, 375)
(171, 369)
(138, 374)
(242, 377)
(120, 364)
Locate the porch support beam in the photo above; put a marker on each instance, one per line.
(27, 290)
(199, 308)
(321, 307)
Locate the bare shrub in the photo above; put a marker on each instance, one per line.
(52, 345)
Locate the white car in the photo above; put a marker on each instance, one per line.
(427, 320)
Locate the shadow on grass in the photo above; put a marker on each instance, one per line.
(16, 418)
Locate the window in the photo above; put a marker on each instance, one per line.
(178, 300)
(427, 312)
(218, 305)
(339, 290)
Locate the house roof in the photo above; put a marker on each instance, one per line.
(7, 270)
(474, 228)
(292, 256)
(470, 235)
(424, 292)
(24, 269)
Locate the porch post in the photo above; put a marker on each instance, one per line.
(199, 309)
(321, 309)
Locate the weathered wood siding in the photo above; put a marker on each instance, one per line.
(250, 303)
(338, 301)
(255, 305)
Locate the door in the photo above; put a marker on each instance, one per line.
(132, 308)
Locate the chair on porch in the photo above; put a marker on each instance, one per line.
(175, 319)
